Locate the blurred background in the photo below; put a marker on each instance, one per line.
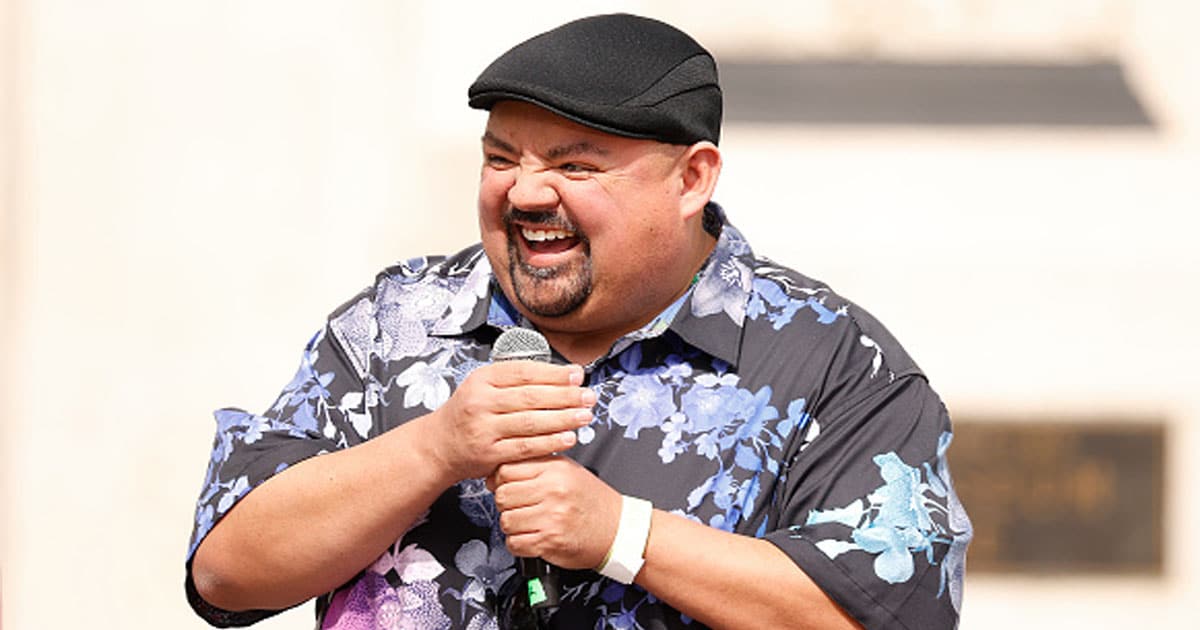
(188, 188)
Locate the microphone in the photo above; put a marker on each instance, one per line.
(541, 577)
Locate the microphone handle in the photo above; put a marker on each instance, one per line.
(541, 577)
(541, 580)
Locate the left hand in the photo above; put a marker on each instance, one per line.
(555, 509)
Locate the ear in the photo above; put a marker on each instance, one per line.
(701, 168)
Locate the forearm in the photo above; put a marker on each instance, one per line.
(312, 527)
(731, 581)
(315, 525)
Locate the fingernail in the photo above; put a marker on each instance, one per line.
(583, 418)
(568, 438)
(588, 397)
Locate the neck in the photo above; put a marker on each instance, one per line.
(581, 349)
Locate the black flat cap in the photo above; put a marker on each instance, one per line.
(622, 74)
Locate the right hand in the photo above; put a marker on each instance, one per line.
(507, 412)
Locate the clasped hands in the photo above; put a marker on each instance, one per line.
(507, 422)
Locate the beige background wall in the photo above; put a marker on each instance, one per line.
(188, 188)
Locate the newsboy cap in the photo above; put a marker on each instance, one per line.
(622, 74)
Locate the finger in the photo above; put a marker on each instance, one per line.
(541, 422)
(522, 470)
(523, 545)
(523, 448)
(514, 495)
(523, 397)
(520, 522)
(517, 373)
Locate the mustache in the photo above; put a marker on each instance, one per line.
(541, 219)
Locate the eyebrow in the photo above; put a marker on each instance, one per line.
(583, 147)
(579, 148)
(490, 139)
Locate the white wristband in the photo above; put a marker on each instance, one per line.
(626, 555)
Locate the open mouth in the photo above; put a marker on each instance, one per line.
(544, 240)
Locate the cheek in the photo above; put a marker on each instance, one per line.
(493, 195)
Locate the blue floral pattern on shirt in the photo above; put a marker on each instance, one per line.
(897, 520)
(736, 407)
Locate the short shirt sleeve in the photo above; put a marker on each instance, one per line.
(867, 507)
(320, 411)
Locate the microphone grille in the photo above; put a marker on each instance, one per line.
(521, 343)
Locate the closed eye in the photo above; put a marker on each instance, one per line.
(576, 167)
(496, 160)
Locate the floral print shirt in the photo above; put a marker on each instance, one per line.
(760, 403)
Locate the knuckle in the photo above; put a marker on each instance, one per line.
(529, 424)
(501, 477)
(520, 548)
(529, 371)
(508, 373)
(471, 436)
(472, 406)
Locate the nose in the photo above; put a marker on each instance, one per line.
(532, 191)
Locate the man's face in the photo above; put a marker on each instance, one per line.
(582, 228)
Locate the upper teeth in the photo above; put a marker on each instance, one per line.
(545, 235)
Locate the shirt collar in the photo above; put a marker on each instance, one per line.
(709, 316)
(468, 307)
(477, 302)
(714, 310)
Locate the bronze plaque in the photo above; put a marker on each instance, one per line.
(1062, 497)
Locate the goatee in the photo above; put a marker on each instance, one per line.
(547, 291)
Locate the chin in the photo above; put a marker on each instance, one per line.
(559, 304)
